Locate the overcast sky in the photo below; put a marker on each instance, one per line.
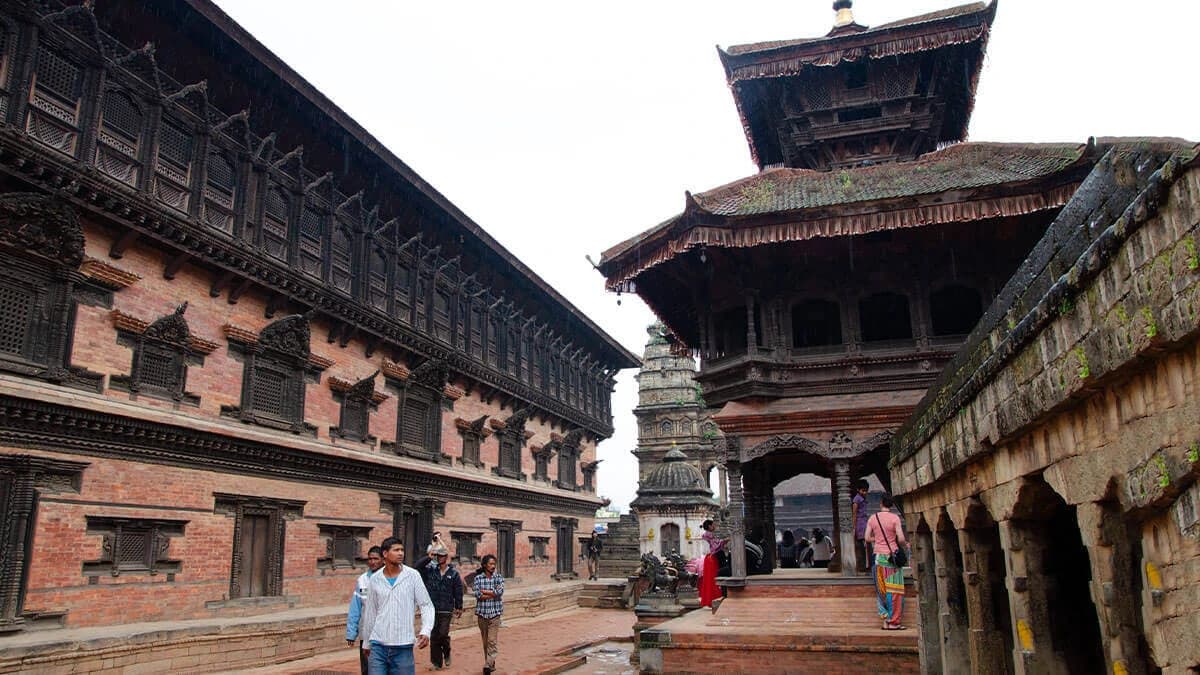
(565, 127)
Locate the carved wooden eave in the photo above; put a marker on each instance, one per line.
(109, 276)
(249, 338)
(315, 361)
(133, 325)
(452, 392)
(344, 386)
(497, 424)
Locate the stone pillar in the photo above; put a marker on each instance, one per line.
(1029, 598)
(951, 602)
(985, 643)
(1109, 551)
(724, 486)
(737, 523)
(927, 600)
(843, 523)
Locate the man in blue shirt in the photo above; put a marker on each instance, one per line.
(374, 562)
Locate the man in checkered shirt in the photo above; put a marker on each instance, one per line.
(489, 605)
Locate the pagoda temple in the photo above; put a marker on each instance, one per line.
(825, 294)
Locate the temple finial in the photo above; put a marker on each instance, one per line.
(845, 13)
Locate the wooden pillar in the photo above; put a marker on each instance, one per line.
(737, 524)
(953, 623)
(1029, 595)
(843, 524)
(768, 518)
(1110, 555)
(984, 641)
(924, 565)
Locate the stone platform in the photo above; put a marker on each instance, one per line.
(791, 621)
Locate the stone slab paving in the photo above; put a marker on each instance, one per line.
(542, 644)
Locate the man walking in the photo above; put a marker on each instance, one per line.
(489, 605)
(374, 562)
(394, 593)
(594, 548)
(445, 587)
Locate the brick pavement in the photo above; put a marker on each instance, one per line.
(527, 645)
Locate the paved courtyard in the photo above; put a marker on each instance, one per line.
(531, 645)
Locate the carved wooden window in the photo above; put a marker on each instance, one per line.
(816, 323)
(220, 188)
(539, 549)
(341, 266)
(420, 301)
(275, 222)
(412, 520)
(357, 402)
(472, 434)
(539, 362)
(32, 309)
(564, 549)
(506, 546)
(133, 545)
(462, 328)
(512, 347)
(525, 346)
(259, 530)
(477, 332)
(120, 137)
(343, 546)
(466, 548)
(511, 440)
(441, 315)
(377, 285)
(55, 101)
(313, 224)
(173, 167)
(418, 432)
(493, 341)
(954, 310)
(273, 377)
(403, 291)
(884, 317)
(568, 458)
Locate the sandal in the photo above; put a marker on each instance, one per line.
(897, 627)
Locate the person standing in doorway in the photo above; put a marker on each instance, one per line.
(489, 606)
(822, 548)
(885, 532)
(858, 507)
(353, 618)
(594, 547)
(445, 587)
(394, 594)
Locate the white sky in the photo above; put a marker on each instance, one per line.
(565, 127)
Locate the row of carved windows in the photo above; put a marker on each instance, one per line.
(296, 218)
(954, 310)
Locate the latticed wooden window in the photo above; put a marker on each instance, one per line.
(343, 545)
(173, 168)
(377, 293)
(271, 389)
(441, 315)
(539, 549)
(119, 138)
(275, 223)
(414, 423)
(312, 240)
(354, 419)
(160, 368)
(466, 547)
(342, 260)
(54, 105)
(477, 332)
(220, 187)
(131, 545)
(16, 305)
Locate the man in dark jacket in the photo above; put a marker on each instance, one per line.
(445, 588)
(594, 548)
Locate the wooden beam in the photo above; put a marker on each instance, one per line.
(175, 264)
(335, 328)
(348, 333)
(236, 293)
(219, 282)
(276, 302)
(372, 345)
(119, 246)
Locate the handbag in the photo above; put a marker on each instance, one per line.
(898, 557)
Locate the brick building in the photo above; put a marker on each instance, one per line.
(1050, 477)
(235, 347)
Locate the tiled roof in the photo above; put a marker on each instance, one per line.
(961, 166)
(755, 47)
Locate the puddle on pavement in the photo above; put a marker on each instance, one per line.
(606, 658)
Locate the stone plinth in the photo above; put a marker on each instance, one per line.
(653, 609)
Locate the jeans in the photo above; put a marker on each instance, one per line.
(391, 660)
(439, 641)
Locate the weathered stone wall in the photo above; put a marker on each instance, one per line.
(1102, 405)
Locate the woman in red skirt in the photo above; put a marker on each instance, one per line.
(709, 590)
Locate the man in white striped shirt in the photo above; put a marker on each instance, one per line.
(393, 595)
